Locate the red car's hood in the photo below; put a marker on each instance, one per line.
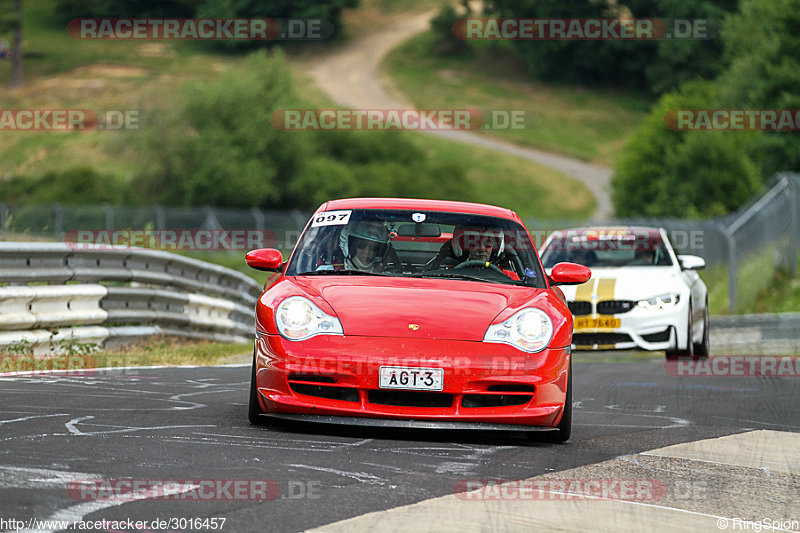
(392, 307)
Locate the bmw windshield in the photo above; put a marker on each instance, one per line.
(607, 249)
(421, 244)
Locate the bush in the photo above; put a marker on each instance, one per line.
(442, 25)
(81, 185)
(763, 47)
(218, 147)
(657, 66)
(322, 179)
(710, 173)
(608, 62)
(675, 173)
(67, 10)
(329, 11)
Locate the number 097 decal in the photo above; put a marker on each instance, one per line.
(331, 218)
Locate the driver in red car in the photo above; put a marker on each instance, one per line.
(478, 245)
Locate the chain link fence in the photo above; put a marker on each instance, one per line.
(746, 247)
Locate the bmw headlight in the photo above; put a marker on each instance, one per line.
(662, 302)
(298, 318)
(530, 330)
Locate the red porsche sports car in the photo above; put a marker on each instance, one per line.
(414, 313)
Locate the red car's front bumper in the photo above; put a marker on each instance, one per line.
(483, 382)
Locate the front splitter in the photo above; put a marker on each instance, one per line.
(405, 424)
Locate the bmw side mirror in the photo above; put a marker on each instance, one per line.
(691, 262)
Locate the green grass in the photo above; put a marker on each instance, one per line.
(588, 124)
(172, 352)
(760, 288)
(155, 351)
(782, 295)
(778, 293)
(530, 189)
(150, 76)
(716, 280)
(66, 73)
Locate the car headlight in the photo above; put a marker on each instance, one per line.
(298, 318)
(530, 330)
(661, 302)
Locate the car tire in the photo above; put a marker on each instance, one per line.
(689, 350)
(563, 430)
(254, 410)
(702, 350)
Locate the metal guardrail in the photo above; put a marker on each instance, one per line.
(104, 295)
(763, 333)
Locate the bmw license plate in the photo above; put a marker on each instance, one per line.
(399, 377)
(601, 322)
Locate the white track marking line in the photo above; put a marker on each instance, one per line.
(22, 419)
(78, 512)
(109, 369)
(24, 477)
(363, 477)
(129, 429)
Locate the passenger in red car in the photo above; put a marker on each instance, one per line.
(364, 245)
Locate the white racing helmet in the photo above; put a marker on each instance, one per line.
(467, 239)
(366, 230)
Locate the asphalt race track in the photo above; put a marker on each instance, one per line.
(170, 424)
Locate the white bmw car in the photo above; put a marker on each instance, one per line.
(641, 294)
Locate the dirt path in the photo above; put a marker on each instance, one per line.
(351, 77)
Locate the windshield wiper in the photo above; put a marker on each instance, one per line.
(452, 275)
(342, 273)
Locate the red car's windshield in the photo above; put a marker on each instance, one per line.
(417, 244)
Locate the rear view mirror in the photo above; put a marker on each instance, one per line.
(425, 230)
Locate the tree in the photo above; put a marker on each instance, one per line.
(16, 72)
(762, 44)
(325, 10)
(702, 173)
(67, 10)
(680, 60)
(678, 173)
(615, 63)
(11, 21)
